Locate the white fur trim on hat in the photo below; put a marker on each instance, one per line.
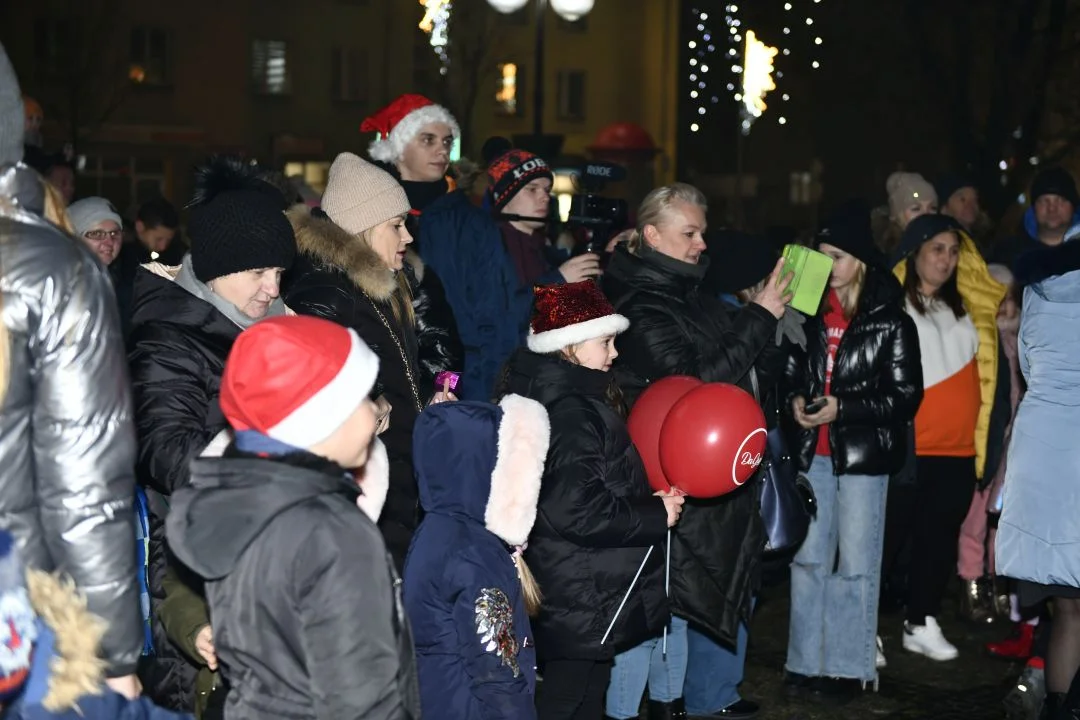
(374, 481)
(328, 409)
(524, 434)
(551, 340)
(390, 149)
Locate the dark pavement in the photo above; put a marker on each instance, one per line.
(912, 687)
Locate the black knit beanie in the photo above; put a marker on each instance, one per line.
(237, 221)
(848, 228)
(921, 230)
(1055, 181)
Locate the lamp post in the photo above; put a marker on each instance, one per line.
(570, 10)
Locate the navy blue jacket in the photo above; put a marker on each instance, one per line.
(459, 574)
(464, 246)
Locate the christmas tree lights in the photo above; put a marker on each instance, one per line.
(436, 23)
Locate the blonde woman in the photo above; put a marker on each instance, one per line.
(854, 392)
(350, 270)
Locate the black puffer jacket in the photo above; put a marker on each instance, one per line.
(877, 381)
(336, 276)
(178, 346)
(439, 346)
(308, 618)
(596, 518)
(675, 329)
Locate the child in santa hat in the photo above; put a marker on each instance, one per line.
(601, 530)
(467, 590)
(457, 240)
(49, 642)
(307, 617)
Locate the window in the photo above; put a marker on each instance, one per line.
(314, 174)
(802, 188)
(571, 95)
(125, 181)
(269, 69)
(53, 41)
(350, 75)
(507, 89)
(150, 56)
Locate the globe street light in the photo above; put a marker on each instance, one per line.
(569, 10)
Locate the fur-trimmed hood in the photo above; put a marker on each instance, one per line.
(321, 240)
(483, 462)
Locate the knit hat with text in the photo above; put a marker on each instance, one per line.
(360, 195)
(572, 313)
(296, 379)
(512, 171)
(238, 221)
(400, 121)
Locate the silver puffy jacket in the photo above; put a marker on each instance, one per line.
(67, 441)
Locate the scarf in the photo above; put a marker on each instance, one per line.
(187, 280)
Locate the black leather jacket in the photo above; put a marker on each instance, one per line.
(877, 381)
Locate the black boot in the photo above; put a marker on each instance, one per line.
(674, 710)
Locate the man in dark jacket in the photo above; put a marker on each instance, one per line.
(307, 611)
(456, 239)
(676, 329)
(1055, 207)
(67, 445)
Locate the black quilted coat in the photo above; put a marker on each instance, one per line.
(877, 381)
(677, 329)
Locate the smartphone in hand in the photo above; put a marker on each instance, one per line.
(815, 407)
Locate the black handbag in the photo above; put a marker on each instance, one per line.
(787, 499)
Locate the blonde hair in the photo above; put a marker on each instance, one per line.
(56, 209)
(849, 298)
(530, 589)
(401, 301)
(654, 208)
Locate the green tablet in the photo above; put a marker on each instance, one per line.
(811, 270)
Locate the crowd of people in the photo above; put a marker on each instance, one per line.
(371, 459)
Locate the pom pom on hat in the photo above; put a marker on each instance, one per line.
(400, 121)
(565, 315)
(296, 379)
(360, 195)
(18, 623)
(512, 171)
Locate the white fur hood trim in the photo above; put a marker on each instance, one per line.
(374, 481)
(524, 434)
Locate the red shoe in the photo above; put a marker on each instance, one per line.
(1015, 647)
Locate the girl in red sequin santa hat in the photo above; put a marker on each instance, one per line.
(415, 136)
(600, 529)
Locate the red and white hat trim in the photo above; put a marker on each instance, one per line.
(328, 409)
(389, 148)
(552, 340)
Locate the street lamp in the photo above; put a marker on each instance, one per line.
(569, 10)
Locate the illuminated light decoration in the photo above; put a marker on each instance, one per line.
(757, 78)
(693, 93)
(809, 21)
(436, 24)
(815, 64)
(692, 44)
(694, 127)
(574, 10)
(817, 41)
(782, 120)
(508, 6)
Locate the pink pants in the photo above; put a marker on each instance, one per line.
(976, 540)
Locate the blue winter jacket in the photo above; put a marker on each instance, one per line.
(474, 648)
(1038, 536)
(463, 245)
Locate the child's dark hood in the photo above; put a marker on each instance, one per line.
(231, 501)
(483, 462)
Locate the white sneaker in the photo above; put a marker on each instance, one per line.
(927, 640)
(880, 662)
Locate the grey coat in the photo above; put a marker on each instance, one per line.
(67, 442)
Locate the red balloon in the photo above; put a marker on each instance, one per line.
(647, 418)
(712, 441)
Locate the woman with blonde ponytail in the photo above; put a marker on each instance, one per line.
(468, 592)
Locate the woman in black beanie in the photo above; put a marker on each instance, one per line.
(853, 393)
(184, 321)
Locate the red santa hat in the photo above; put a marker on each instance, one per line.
(296, 379)
(565, 315)
(400, 121)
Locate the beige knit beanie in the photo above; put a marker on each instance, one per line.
(904, 188)
(360, 195)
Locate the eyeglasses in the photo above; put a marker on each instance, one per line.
(99, 235)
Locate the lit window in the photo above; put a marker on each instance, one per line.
(269, 68)
(149, 56)
(506, 93)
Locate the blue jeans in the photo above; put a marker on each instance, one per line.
(713, 673)
(834, 612)
(646, 664)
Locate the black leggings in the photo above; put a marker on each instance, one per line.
(573, 690)
(928, 514)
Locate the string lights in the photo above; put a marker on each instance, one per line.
(703, 47)
(436, 23)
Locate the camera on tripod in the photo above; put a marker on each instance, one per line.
(600, 217)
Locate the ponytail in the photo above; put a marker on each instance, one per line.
(529, 586)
